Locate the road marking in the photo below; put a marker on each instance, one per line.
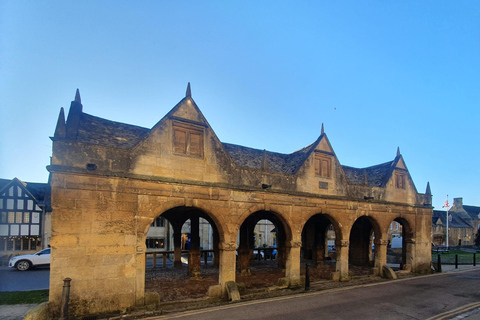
(452, 314)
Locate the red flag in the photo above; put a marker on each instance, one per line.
(446, 204)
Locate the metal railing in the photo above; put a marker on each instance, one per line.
(164, 255)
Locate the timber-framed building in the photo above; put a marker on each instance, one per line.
(110, 181)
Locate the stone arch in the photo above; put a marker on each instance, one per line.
(360, 240)
(246, 240)
(407, 243)
(314, 232)
(177, 213)
(145, 220)
(277, 213)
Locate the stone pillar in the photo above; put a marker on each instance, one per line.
(341, 268)
(244, 251)
(380, 255)
(194, 255)
(216, 250)
(292, 263)
(409, 254)
(177, 245)
(227, 264)
(319, 246)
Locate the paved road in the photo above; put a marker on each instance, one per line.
(14, 280)
(417, 298)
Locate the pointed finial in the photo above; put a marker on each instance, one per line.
(60, 130)
(189, 91)
(398, 151)
(323, 130)
(428, 191)
(77, 96)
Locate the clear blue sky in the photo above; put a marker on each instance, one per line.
(266, 74)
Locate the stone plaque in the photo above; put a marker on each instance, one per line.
(323, 185)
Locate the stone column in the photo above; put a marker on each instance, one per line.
(244, 251)
(292, 263)
(409, 253)
(319, 246)
(177, 245)
(194, 255)
(216, 250)
(380, 255)
(227, 264)
(341, 268)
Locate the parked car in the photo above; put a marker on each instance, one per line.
(27, 261)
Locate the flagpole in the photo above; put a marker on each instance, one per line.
(448, 206)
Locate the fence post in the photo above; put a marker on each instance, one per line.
(439, 263)
(474, 259)
(456, 261)
(154, 260)
(65, 298)
(307, 278)
(164, 256)
(205, 257)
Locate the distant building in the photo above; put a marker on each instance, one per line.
(24, 216)
(463, 224)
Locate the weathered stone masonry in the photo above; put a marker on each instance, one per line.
(111, 180)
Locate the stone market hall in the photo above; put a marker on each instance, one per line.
(111, 180)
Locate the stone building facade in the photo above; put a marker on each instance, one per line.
(111, 180)
(463, 224)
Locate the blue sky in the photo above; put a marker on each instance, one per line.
(266, 74)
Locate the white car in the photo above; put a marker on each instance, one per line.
(27, 261)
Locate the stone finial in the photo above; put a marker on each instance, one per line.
(60, 129)
(428, 191)
(77, 96)
(398, 151)
(189, 91)
(265, 160)
(323, 129)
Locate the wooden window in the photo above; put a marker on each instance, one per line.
(323, 166)
(400, 181)
(187, 140)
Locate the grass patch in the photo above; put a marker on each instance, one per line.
(449, 257)
(23, 297)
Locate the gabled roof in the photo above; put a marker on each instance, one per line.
(473, 212)
(95, 130)
(376, 176)
(40, 191)
(89, 129)
(456, 222)
(245, 157)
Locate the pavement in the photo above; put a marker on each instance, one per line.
(469, 312)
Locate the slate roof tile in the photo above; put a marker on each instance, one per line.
(95, 130)
(377, 176)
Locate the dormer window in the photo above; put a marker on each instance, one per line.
(187, 139)
(323, 166)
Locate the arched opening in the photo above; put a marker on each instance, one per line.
(182, 254)
(319, 241)
(361, 255)
(399, 248)
(261, 250)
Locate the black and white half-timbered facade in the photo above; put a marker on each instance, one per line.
(23, 210)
